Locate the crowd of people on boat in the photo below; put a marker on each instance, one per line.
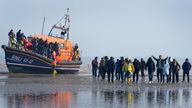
(17, 41)
(37, 45)
(126, 70)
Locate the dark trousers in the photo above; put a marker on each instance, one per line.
(117, 75)
(110, 76)
(100, 72)
(103, 74)
(150, 75)
(135, 74)
(186, 73)
(94, 72)
(159, 75)
(175, 77)
(142, 73)
(122, 76)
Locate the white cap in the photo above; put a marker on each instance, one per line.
(171, 59)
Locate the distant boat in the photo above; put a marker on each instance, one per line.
(22, 61)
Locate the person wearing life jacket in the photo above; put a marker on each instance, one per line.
(12, 41)
(70, 57)
(20, 38)
(77, 55)
(54, 55)
(58, 59)
(131, 70)
(54, 62)
(27, 44)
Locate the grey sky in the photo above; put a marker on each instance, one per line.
(108, 27)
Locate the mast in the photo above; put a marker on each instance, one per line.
(64, 28)
(43, 25)
(67, 23)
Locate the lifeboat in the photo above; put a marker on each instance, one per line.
(66, 59)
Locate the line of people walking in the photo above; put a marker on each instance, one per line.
(124, 70)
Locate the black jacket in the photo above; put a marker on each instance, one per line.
(143, 65)
(186, 66)
(111, 65)
(137, 66)
(160, 61)
(150, 65)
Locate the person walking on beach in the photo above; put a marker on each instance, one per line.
(170, 69)
(94, 67)
(130, 72)
(117, 70)
(121, 63)
(186, 68)
(166, 71)
(111, 69)
(159, 66)
(151, 69)
(175, 70)
(143, 67)
(101, 67)
(136, 64)
(105, 67)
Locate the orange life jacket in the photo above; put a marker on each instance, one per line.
(54, 63)
(55, 60)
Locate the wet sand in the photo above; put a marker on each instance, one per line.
(81, 90)
(29, 83)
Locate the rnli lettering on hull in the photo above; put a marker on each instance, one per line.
(19, 59)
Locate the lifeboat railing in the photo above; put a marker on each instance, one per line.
(65, 27)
